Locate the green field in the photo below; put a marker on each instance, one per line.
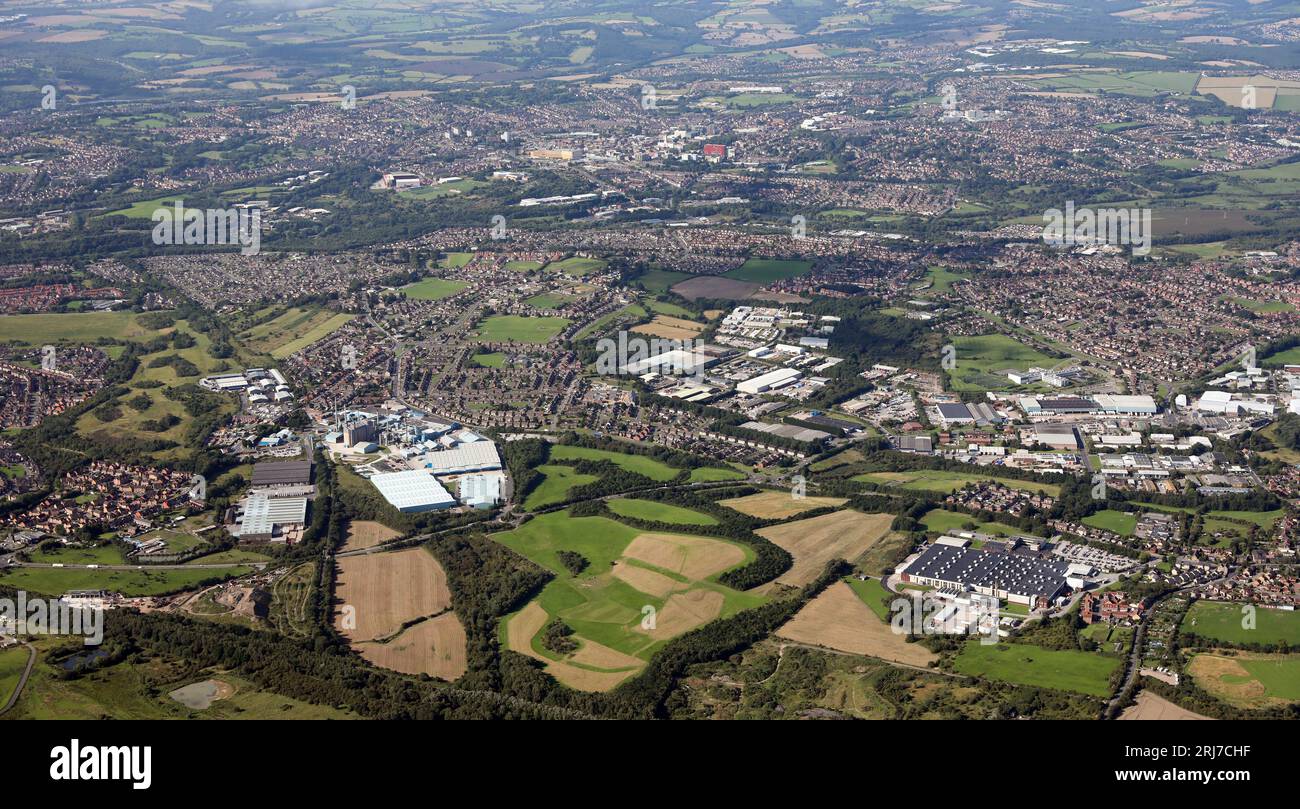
(550, 300)
(1081, 672)
(640, 464)
(872, 593)
(936, 480)
(576, 265)
(651, 511)
(456, 260)
(293, 330)
(1118, 522)
(710, 474)
(944, 521)
(57, 581)
(79, 327)
(141, 691)
(505, 328)
(982, 359)
(433, 289)
(598, 606)
(659, 281)
(767, 270)
(523, 266)
(12, 662)
(1222, 621)
(496, 360)
(555, 485)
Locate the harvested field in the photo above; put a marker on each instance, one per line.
(1152, 706)
(70, 37)
(837, 619)
(814, 542)
(645, 580)
(526, 623)
(778, 505)
(673, 328)
(683, 612)
(435, 647)
(603, 657)
(692, 557)
(389, 589)
(367, 534)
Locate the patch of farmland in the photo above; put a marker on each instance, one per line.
(435, 647)
(387, 590)
(692, 557)
(815, 541)
(1152, 706)
(778, 505)
(837, 619)
(367, 534)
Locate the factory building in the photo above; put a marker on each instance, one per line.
(413, 491)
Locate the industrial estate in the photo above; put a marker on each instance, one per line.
(682, 360)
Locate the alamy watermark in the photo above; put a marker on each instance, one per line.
(52, 616)
(1090, 226)
(634, 356)
(209, 226)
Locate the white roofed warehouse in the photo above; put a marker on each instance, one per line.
(413, 491)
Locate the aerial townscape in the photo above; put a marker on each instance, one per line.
(651, 359)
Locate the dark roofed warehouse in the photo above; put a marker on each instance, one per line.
(1015, 578)
(282, 473)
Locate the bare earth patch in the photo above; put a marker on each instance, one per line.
(683, 612)
(1153, 706)
(814, 542)
(778, 505)
(837, 619)
(435, 647)
(387, 590)
(367, 534)
(692, 557)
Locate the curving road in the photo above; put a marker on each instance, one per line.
(22, 681)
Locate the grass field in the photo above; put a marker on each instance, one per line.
(57, 581)
(711, 474)
(934, 480)
(84, 327)
(651, 511)
(640, 464)
(136, 423)
(577, 266)
(1222, 621)
(943, 521)
(494, 360)
(433, 289)
(872, 593)
(1248, 680)
(1118, 522)
(556, 482)
(293, 330)
(506, 328)
(12, 662)
(1081, 672)
(141, 691)
(630, 576)
(981, 359)
(767, 270)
